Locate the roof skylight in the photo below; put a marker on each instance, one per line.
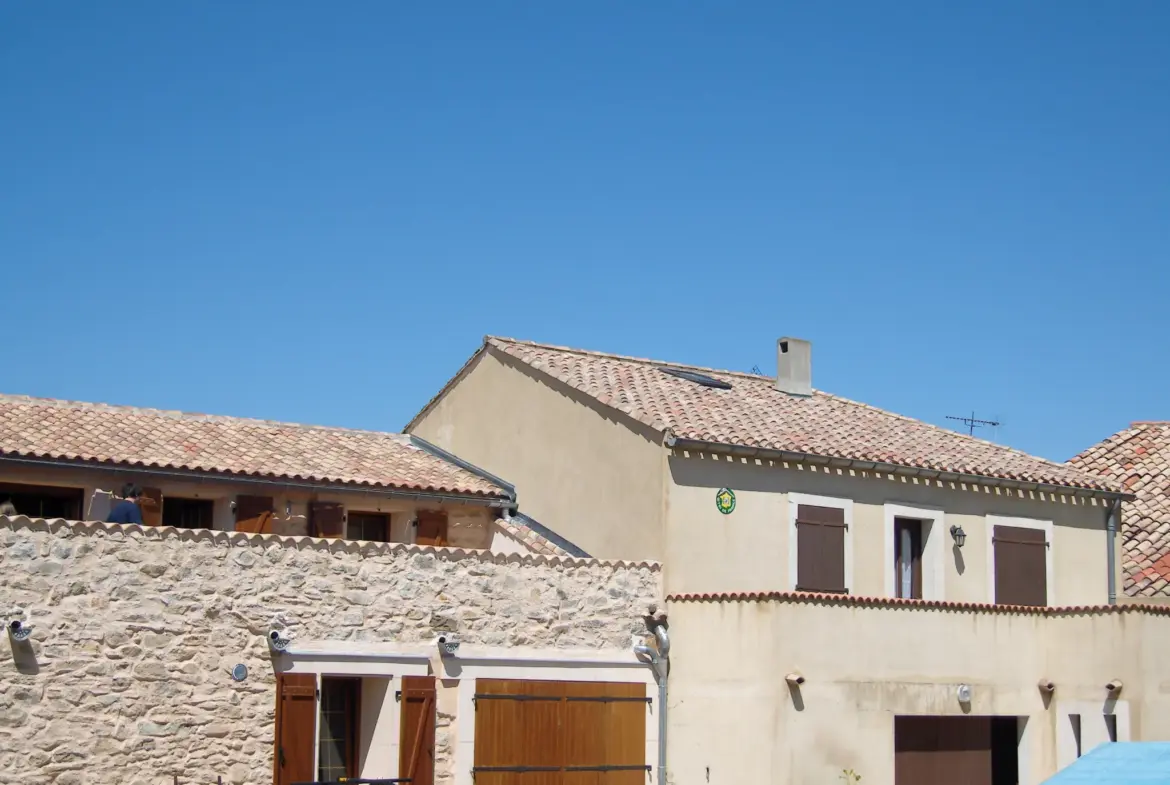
(698, 378)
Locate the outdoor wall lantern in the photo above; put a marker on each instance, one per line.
(964, 693)
(959, 535)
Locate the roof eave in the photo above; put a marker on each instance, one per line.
(449, 496)
(891, 468)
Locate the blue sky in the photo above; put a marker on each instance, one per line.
(314, 212)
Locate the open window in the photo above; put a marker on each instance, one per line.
(368, 526)
(44, 501)
(908, 559)
(188, 513)
(431, 528)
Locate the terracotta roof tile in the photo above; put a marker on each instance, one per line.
(753, 413)
(1139, 459)
(69, 430)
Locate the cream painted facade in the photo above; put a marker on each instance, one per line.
(615, 488)
(593, 475)
(470, 525)
(864, 665)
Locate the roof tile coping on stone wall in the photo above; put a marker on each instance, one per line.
(362, 547)
(892, 602)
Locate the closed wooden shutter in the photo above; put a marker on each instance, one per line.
(296, 718)
(560, 733)
(151, 505)
(253, 513)
(327, 519)
(416, 760)
(1021, 571)
(820, 548)
(432, 528)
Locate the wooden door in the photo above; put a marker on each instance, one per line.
(560, 733)
(253, 513)
(296, 723)
(416, 757)
(942, 751)
(151, 504)
(432, 528)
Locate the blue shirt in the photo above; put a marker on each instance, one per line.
(125, 512)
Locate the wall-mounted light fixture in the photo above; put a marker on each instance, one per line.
(287, 508)
(963, 693)
(232, 506)
(959, 535)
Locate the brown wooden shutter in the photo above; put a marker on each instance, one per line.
(296, 722)
(1021, 571)
(432, 528)
(820, 549)
(253, 513)
(416, 746)
(327, 519)
(151, 504)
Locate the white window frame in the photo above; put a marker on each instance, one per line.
(934, 539)
(1093, 729)
(550, 665)
(797, 499)
(1024, 523)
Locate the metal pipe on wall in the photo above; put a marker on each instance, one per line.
(659, 659)
(1111, 521)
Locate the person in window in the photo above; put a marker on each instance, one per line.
(127, 510)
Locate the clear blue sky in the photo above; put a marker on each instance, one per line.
(315, 211)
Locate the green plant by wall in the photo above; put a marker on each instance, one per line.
(849, 776)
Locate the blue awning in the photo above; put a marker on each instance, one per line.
(1121, 763)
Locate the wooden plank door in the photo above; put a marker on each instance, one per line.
(296, 725)
(253, 513)
(936, 750)
(151, 506)
(432, 528)
(416, 745)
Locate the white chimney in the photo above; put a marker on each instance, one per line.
(794, 366)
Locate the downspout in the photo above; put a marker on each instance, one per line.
(659, 659)
(1111, 546)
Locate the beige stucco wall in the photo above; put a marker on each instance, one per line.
(590, 474)
(469, 526)
(750, 549)
(127, 679)
(865, 665)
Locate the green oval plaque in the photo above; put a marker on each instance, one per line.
(725, 500)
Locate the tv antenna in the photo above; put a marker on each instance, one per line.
(973, 423)
(756, 370)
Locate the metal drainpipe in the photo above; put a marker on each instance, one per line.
(1111, 533)
(659, 659)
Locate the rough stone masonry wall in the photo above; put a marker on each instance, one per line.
(127, 677)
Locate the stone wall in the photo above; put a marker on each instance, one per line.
(127, 676)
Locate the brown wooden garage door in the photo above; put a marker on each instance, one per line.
(942, 751)
(560, 733)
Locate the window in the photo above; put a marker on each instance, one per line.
(1021, 565)
(820, 549)
(337, 749)
(326, 519)
(370, 526)
(187, 513)
(44, 501)
(907, 559)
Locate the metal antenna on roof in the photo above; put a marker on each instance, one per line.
(756, 370)
(972, 423)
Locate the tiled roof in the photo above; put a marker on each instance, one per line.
(753, 413)
(151, 438)
(1139, 459)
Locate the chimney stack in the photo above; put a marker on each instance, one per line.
(794, 367)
